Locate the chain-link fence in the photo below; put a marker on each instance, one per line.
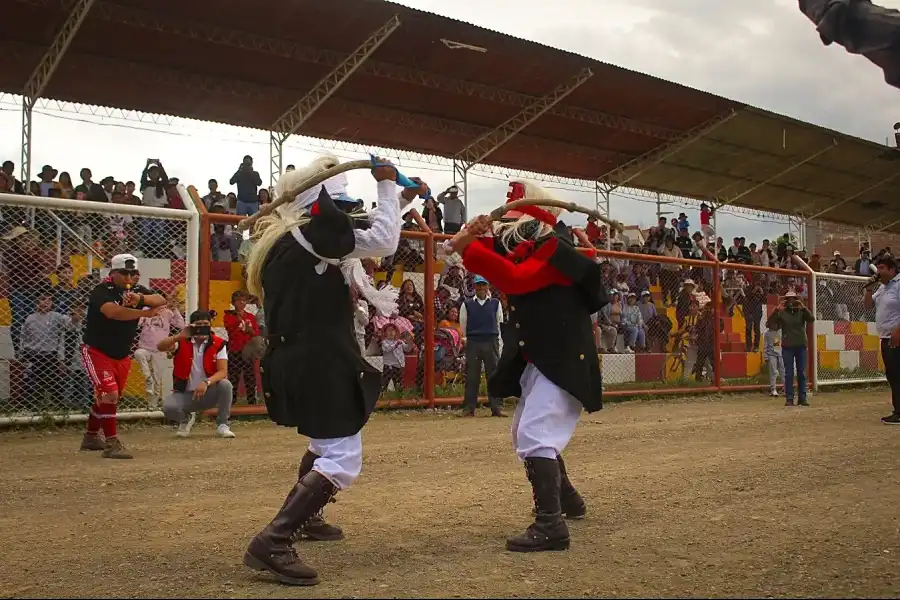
(753, 345)
(847, 349)
(675, 325)
(53, 253)
(397, 345)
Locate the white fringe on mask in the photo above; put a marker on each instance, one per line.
(384, 300)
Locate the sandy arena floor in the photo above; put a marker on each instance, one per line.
(734, 497)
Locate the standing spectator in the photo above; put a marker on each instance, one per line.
(454, 209)
(886, 301)
(27, 266)
(116, 306)
(433, 216)
(215, 197)
(753, 301)
(47, 177)
(65, 294)
(43, 348)
(864, 266)
(792, 317)
(200, 376)
(155, 364)
(706, 227)
(153, 193)
(773, 354)
(480, 317)
(79, 391)
(393, 351)
(9, 167)
(241, 327)
(670, 273)
(247, 181)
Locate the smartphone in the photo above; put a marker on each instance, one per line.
(200, 329)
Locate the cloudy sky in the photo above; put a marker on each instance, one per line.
(762, 52)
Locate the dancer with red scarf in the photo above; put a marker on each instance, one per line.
(549, 360)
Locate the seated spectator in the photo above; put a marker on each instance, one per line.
(200, 376)
(452, 320)
(633, 323)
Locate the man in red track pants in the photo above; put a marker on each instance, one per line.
(112, 322)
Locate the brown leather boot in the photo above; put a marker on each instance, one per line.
(317, 529)
(272, 549)
(570, 501)
(549, 530)
(93, 441)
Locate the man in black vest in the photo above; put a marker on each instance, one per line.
(480, 317)
(314, 377)
(549, 361)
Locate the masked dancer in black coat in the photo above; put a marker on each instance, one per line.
(549, 359)
(314, 377)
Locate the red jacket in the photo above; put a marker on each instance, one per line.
(237, 338)
(184, 358)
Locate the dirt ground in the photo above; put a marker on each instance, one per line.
(699, 497)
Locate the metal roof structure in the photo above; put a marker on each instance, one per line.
(376, 73)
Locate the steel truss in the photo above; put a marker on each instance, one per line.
(853, 197)
(289, 122)
(487, 143)
(41, 75)
(208, 32)
(619, 177)
(782, 173)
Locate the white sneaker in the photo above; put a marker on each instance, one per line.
(184, 429)
(224, 431)
(775, 394)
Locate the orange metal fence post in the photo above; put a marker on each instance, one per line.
(428, 355)
(717, 327)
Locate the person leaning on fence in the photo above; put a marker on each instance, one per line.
(114, 309)
(886, 301)
(772, 341)
(199, 374)
(792, 316)
(480, 317)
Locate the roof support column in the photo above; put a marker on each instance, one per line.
(488, 143)
(41, 75)
(618, 177)
(854, 196)
(289, 122)
(461, 181)
(601, 193)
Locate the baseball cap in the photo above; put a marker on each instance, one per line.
(480, 279)
(124, 262)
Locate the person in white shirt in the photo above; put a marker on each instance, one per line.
(200, 376)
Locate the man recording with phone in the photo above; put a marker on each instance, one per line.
(200, 375)
(886, 300)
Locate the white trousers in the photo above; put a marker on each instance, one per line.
(545, 417)
(340, 459)
(157, 370)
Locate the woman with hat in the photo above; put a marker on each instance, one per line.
(792, 317)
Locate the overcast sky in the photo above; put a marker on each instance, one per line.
(761, 52)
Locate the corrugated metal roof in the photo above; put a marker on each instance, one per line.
(246, 64)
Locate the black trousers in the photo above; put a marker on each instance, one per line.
(478, 352)
(891, 357)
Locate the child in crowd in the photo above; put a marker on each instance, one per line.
(394, 350)
(772, 340)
